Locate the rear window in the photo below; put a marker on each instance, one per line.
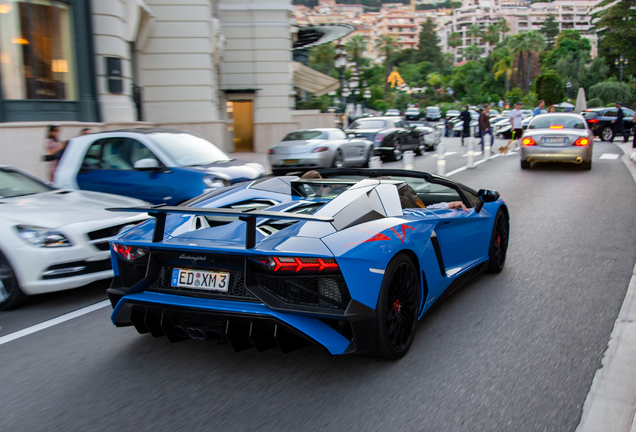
(368, 124)
(305, 135)
(545, 121)
(589, 114)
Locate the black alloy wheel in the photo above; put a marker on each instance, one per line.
(499, 242)
(10, 293)
(607, 133)
(397, 309)
(337, 160)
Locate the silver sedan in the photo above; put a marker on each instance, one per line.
(305, 150)
(557, 137)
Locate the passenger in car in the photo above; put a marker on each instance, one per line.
(409, 199)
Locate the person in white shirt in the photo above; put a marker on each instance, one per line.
(516, 116)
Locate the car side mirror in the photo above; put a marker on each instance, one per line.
(147, 164)
(486, 196)
(351, 136)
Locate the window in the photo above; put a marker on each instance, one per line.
(115, 154)
(36, 50)
(305, 135)
(338, 135)
(557, 121)
(368, 124)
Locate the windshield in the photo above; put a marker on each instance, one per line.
(14, 184)
(368, 124)
(189, 150)
(545, 121)
(305, 135)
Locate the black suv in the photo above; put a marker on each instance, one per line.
(391, 136)
(599, 120)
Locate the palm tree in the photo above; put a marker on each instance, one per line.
(321, 58)
(355, 47)
(491, 37)
(518, 45)
(472, 52)
(536, 43)
(504, 28)
(387, 45)
(504, 66)
(474, 32)
(454, 40)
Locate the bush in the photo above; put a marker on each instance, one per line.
(549, 87)
(611, 91)
(594, 103)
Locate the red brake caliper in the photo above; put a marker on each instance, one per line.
(397, 306)
(498, 240)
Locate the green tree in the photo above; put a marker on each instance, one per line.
(474, 32)
(535, 43)
(549, 87)
(504, 28)
(472, 52)
(429, 48)
(611, 91)
(387, 45)
(321, 58)
(568, 42)
(549, 29)
(355, 47)
(518, 45)
(466, 81)
(504, 67)
(616, 26)
(454, 40)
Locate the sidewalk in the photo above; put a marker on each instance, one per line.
(610, 405)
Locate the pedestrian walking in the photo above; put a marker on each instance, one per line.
(538, 109)
(54, 149)
(484, 127)
(516, 117)
(465, 116)
(552, 109)
(619, 127)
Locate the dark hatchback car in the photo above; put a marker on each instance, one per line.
(391, 136)
(599, 120)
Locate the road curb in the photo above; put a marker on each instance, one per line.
(610, 405)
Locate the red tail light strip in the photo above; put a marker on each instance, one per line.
(297, 264)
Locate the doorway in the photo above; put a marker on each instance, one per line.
(243, 126)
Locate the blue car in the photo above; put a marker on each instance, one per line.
(161, 166)
(350, 261)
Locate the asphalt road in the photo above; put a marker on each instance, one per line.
(510, 352)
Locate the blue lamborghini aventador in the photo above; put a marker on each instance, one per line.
(350, 261)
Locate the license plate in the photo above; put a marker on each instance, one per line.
(200, 279)
(555, 140)
(291, 161)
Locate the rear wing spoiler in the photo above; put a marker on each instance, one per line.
(249, 216)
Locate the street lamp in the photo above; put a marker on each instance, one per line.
(621, 63)
(340, 63)
(568, 86)
(366, 96)
(354, 82)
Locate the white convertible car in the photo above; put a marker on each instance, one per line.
(54, 239)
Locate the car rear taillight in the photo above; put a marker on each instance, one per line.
(320, 149)
(128, 252)
(271, 151)
(296, 264)
(581, 142)
(593, 121)
(379, 137)
(528, 142)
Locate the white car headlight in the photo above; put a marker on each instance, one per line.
(42, 237)
(215, 182)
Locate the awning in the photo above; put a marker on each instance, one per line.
(312, 81)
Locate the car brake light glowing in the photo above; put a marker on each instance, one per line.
(556, 127)
(528, 142)
(320, 149)
(593, 121)
(379, 137)
(128, 252)
(295, 264)
(271, 151)
(581, 142)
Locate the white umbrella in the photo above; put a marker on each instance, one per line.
(581, 104)
(566, 105)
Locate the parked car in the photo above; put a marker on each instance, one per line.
(319, 148)
(349, 262)
(391, 136)
(155, 165)
(54, 239)
(493, 112)
(452, 113)
(599, 120)
(557, 137)
(392, 112)
(412, 114)
(432, 134)
(433, 113)
(506, 130)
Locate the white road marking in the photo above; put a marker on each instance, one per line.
(52, 322)
(609, 156)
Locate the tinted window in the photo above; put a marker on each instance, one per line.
(368, 124)
(589, 114)
(189, 150)
(305, 135)
(611, 113)
(545, 121)
(115, 153)
(14, 184)
(338, 135)
(400, 123)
